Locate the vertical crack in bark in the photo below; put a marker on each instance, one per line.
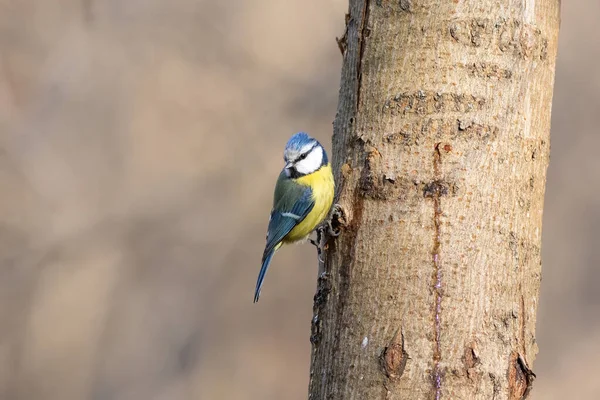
(522, 316)
(362, 35)
(321, 295)
(436, 191)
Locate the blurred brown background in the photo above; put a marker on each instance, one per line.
(139, 142)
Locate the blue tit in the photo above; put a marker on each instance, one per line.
(302, 199)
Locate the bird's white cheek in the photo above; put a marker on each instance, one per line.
(312, 162)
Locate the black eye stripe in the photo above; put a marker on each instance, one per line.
(305, 154)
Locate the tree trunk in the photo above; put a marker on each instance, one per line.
(440, 148)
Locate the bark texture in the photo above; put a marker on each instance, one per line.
(441, 145)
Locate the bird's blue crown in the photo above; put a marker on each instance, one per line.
(299, 141)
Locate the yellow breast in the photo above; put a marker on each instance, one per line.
(321, 183)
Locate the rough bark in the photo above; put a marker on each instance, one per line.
(440, 149)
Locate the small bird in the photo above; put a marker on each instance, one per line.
(302, 199)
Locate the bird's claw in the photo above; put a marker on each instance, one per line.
(327, 230)
(337, 214)
(331, 231)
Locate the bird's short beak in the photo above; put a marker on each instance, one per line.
(289, 165)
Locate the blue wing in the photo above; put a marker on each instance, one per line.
(284, 219)
(291, 207)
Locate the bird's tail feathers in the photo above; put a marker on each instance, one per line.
(263, 271)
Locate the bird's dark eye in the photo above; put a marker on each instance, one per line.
(302, 156)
